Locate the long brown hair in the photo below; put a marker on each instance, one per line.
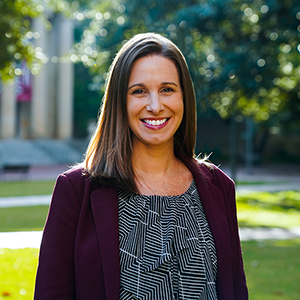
(108, 156)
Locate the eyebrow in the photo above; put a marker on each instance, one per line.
(143, 85)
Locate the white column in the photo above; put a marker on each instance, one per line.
(24, 120)
(65, 80)
(8, 110)
(39, 105)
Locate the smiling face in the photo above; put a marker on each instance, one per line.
(154, 101)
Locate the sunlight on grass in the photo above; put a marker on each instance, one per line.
(17, 273)
(280, 209)
(259, 217)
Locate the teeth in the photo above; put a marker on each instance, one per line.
(155, 122)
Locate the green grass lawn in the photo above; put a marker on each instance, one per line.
(272, 271)
(17, 273)
(278, 209)
(23, 218)
(23, 188)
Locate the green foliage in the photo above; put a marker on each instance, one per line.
(15, 25)
(252, 56)
(17, 273)
(243, 55)
(17, 38)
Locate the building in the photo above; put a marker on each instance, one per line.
(43, 108)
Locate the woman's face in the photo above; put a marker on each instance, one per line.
(154, 101)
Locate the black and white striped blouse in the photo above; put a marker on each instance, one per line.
(166, 248)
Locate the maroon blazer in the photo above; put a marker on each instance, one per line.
(79, 255)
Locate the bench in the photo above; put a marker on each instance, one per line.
(15, 168)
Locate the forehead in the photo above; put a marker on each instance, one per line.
(154, 66)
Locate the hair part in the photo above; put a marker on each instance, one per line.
(109, 153)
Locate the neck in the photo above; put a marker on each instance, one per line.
(159, 172)
(153, 160)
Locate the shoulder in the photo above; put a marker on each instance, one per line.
(76, 173)
(75, 179)
(214, 174)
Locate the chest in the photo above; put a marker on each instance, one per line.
(166, 247)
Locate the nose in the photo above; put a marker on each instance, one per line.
(155, 104)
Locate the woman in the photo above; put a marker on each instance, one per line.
(141, 218)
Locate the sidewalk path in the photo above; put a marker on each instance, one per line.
(22, 239)
(25, 201)
(247, 234)
(32, 239)
(275, 186)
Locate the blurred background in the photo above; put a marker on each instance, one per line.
(244, 59)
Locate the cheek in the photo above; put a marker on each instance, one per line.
(128, 105)
(180, 108)
(132, 110)
(180, 112)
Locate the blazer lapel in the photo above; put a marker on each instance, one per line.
(214, 206)
(104, 202)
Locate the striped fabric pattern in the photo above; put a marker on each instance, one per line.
(166, 248)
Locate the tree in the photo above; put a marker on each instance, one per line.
(244, 55)
(249, 62)
(17, 39)
(252, 55)
(15, 35)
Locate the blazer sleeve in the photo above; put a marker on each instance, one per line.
(239, 279)
(55, 275)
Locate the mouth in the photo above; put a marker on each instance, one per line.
(155, 122)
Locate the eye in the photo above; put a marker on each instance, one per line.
(167, 90)
(138, 91)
